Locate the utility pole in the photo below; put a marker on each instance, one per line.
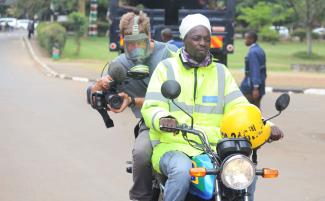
(92, 31)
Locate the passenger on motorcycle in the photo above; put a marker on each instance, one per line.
(208, 90)
(139, 49)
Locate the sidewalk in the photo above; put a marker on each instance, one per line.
(90, 70)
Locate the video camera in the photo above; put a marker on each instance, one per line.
(101, 99)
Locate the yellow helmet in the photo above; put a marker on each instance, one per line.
(245, 120)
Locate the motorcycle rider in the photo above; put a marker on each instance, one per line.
(208, 90)
(139, 48)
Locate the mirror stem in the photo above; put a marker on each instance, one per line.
(271, 117)
(185, 113)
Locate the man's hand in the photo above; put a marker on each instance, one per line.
(276, 134)
(126, 102)
(102, 84)
(255, 93)
(168, 124)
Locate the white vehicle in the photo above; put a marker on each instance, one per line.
(12, 22)
(319, 31)
(283, 31)
(23, 23)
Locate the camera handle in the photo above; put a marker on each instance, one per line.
(107, 119)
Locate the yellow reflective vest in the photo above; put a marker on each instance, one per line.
(207, 92)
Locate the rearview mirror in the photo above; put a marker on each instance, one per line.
(170, 89)
(282, 102)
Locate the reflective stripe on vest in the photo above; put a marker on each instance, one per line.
(197, 108)
(218, 109)
(188, 108)
(232, 96)
(170, 71)
(221, 89)
(153, 118)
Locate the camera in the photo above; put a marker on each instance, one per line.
(101, 99)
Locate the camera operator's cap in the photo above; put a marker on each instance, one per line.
(191, 21)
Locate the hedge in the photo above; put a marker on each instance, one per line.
(50, 35)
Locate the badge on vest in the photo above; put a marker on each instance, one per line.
(209, 99)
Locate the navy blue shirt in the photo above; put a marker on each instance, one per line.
(255, 70)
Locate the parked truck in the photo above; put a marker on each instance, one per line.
(169, 13)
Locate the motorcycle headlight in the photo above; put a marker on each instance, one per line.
(238, 172)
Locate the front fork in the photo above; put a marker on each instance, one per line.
(219, 196)
(218, 193)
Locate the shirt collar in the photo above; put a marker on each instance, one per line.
(252, 45)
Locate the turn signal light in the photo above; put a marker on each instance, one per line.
(270, 173)
(198, 172)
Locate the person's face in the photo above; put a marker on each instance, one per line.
(137, 47)
(140, 44)
(248, 40)
(197, 43)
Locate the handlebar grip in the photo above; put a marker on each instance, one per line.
(168, 129)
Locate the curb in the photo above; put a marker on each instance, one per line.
(312, 91)
(52, 73)
(49, 71)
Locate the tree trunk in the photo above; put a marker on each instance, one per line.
(78, 45)
(309, 41)
(82, 6)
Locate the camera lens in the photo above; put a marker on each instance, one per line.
(115, 101)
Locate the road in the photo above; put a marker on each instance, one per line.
(54, 147)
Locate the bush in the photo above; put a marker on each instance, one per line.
(240, 30)
(268, 35)
(300, 33)
(67, 25)
(102, 28)
(78, 22)
(50, 34)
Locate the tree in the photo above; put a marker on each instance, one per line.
(30, 8)
(82, 6)
(311, 14)
(263, 14)
(78, 23)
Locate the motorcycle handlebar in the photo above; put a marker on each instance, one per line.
(183, 128)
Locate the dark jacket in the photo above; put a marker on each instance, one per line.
(255, 70)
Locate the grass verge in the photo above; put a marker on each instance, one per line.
(279, 56)
(92, 48)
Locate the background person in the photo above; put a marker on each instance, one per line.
(253, 85)
(167, 37)
(138, 47)
(30, 29)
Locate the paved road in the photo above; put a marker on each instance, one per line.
(53, 147)
(300, 156)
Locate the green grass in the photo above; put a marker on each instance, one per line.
(281, 55)
(304, 55)
(91, 49)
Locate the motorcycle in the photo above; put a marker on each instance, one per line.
(224, 175)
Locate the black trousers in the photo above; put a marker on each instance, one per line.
(256, 102)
